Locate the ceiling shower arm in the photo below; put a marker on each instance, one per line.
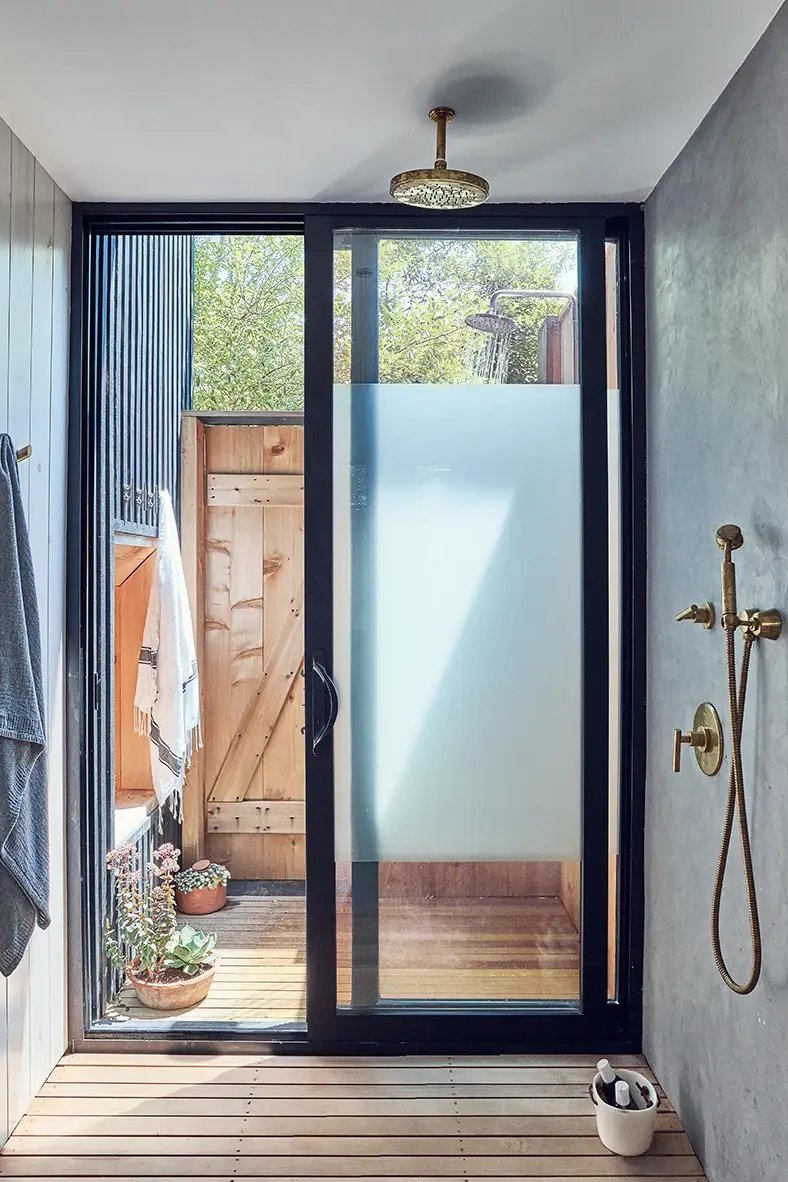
(441, 116)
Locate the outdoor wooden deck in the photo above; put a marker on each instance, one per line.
(453, 948)
(212, 1116)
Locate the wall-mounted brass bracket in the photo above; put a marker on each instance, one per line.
(765, 625)
(705, 739)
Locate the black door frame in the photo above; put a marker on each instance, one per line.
(598, 1021)
(601, 1024)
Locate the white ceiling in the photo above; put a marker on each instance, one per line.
(322, 100)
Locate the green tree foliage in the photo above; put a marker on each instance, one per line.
(249, 322)
(428, 287)
(249, 312)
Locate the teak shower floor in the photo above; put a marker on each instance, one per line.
(255, 1116)
(453, 948)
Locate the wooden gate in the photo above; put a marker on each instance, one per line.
(243, 544)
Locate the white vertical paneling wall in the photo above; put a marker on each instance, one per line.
(35, 227)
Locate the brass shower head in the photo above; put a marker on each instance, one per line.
(439, 187)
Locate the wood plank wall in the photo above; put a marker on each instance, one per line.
(134, 569)
(35, 230)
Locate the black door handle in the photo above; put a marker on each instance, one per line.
(320, 673)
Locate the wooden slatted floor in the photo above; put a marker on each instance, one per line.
(454, 948)
(226, 1117)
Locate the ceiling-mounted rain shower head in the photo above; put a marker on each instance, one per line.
(439, 187)
(499, 326)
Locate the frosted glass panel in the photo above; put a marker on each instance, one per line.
(457, 622)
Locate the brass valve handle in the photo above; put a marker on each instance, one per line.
(705, 739)
(701, 739)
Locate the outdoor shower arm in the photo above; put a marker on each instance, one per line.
(535, 293)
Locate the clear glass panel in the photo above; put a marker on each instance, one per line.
(244, 560)
(457, 595)
(249, 322)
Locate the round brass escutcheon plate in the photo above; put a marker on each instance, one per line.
(709, 757)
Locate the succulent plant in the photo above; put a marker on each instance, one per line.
(144, 918)
(190, 951)
(195, 880)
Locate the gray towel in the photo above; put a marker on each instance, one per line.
(24, 826)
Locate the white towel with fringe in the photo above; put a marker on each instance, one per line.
(167, 700)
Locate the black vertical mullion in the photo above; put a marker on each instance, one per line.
(633, 615)
(364, 371)
(321, 941)
(98, 689)
(596, 683)
(79, 573)
(90, 846)
(99, 827)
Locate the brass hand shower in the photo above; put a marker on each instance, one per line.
(754, 624)
(706, 739)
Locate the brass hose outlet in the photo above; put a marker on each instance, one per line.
(698, 613)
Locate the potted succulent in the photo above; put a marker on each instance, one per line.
(170, 967)
(201, 889)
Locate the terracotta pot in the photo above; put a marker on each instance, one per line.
(203, 901)
(172, 995)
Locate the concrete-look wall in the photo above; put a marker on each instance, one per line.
(717, 309)
(35, 232)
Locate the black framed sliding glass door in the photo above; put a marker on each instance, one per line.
(460, 591)
(474, 551)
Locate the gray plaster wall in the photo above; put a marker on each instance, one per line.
(717, 332)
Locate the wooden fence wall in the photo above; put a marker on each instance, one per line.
(243, 545)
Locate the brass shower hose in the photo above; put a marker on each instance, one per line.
(736, 797)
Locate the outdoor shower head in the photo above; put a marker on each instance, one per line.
(503, 326)
(499, 326)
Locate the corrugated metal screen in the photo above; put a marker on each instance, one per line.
(149, 368)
